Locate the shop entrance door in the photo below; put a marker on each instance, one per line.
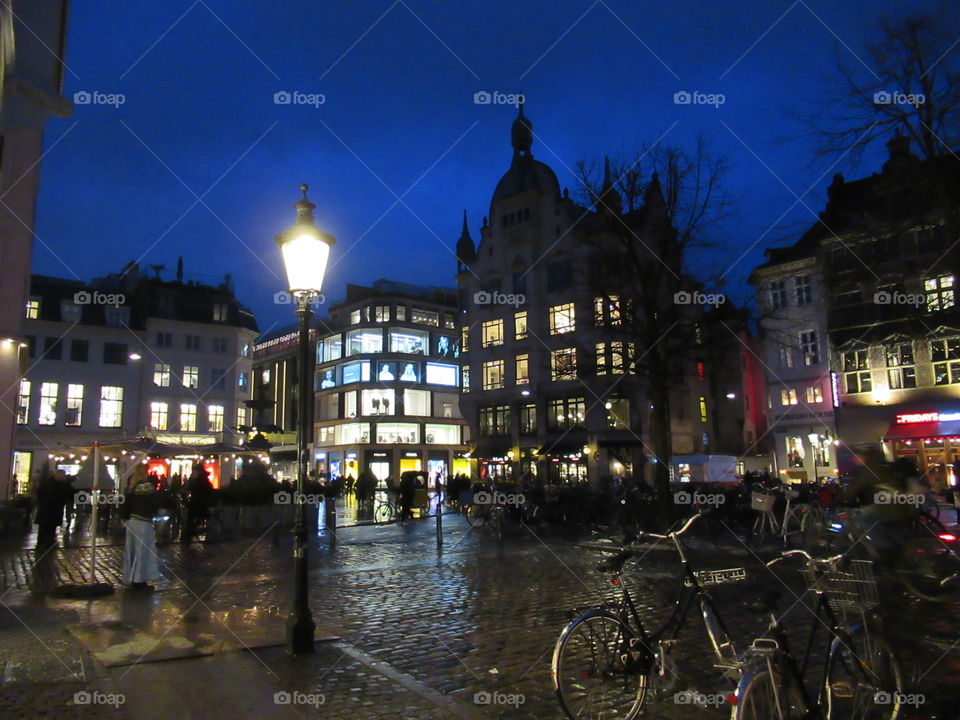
(434, 468)
(380, 470)
(409, 464)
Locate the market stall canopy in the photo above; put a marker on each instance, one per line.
(84, 479)
(145, 445)
(223, 449)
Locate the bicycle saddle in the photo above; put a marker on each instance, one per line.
(765, 603)
(615, 563)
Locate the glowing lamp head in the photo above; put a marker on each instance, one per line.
(305, 250)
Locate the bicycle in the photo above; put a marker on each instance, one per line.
(862, 677)
(387, 509)
(481, 514)
(606, 663)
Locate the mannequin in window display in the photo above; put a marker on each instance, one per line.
(327, 381)
(443, 346)
(385, 402)
(376, 405)
(409, 373)
(386, 374)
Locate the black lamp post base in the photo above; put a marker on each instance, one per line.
(300, 629)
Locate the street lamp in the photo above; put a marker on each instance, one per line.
(305, 250)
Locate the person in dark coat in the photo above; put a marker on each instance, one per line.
(140, 505)
(407, 490)
(51, 500)
(198, 504)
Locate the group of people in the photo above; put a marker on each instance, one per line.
(143, 498)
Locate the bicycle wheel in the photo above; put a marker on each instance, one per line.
(764, 697)
(863, 680)
(922, 564)
(384, 513)
(595, 674)
(477, 514)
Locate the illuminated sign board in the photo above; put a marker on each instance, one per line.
(835, 388)
(926, 417)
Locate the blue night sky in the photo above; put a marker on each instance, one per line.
(199, 120)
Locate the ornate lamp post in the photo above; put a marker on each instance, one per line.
(305, 250)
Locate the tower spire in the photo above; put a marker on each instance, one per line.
(521, 134)
(466, 253)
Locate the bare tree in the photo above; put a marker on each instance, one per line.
(657, 214)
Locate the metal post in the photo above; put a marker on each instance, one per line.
(300, 625)
(439, 516)
(95, 498)
(330, 505)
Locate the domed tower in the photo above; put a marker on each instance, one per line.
(466, 253)
(525, 173)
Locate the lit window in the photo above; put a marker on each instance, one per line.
(355, 317)
(464, 339)
(220, 312)
(856, 371)
(528, 418)
(442, 434)
(364, 341)
(562, 319)
(465, 378)
(902, 373)
(563, 364)
(607, 311)
(33, 309)
(111, 406)
(158, 415)
(618, 413)
(23, 403)
(495, 420)
(492, 333)
(814, 394)
(48, 403)
(191, 376)
(448, 321)
(703, 408)
(382, 313)
(939, 293)
(215, 418)
(161, 375)
(788, 396)
(188, 417)
(242, 379)
(424, 317)
(566, 413)
(520, 325)
(74, 415)
(243, 416)
(786, 356)
(401, 312)
(523, 369)
(493, 375)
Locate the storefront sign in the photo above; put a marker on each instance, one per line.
(926, 417)
(835, 388)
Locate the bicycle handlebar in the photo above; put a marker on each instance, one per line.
(829, 562)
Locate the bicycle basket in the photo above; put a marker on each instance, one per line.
(762, 502)
(853, 588)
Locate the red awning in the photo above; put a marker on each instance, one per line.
(911, 431)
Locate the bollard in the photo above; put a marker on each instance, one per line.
(439, 521)
(331, 509)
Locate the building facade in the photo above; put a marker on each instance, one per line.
(549, 387)
(800, 394)
(883, 257)
(32, 55)
(387, 384)
(128, 355)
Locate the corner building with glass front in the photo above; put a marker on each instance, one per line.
(387, 384)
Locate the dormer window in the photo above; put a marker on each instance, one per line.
(70, 312)
(220, 312)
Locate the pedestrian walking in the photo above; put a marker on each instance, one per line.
(408, 489)
(198, 504)
(140, 506)
(51, 501)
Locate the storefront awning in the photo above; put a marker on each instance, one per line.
(489, 447)
(567, 445)
(907, 426)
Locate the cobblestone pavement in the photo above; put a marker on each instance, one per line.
(421, 634)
